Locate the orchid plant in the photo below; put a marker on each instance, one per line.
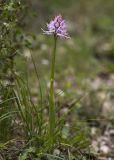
(58, 29)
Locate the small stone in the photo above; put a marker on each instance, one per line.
(56, 152)
(93, 131)
(105, 149)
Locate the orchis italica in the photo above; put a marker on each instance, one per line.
(57, 27)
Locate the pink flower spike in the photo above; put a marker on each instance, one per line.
(57, 27)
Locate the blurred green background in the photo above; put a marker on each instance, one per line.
(84, 63)
(89, 52)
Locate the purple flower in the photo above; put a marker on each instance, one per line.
(57, 27)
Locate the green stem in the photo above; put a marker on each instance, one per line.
(51, 96)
